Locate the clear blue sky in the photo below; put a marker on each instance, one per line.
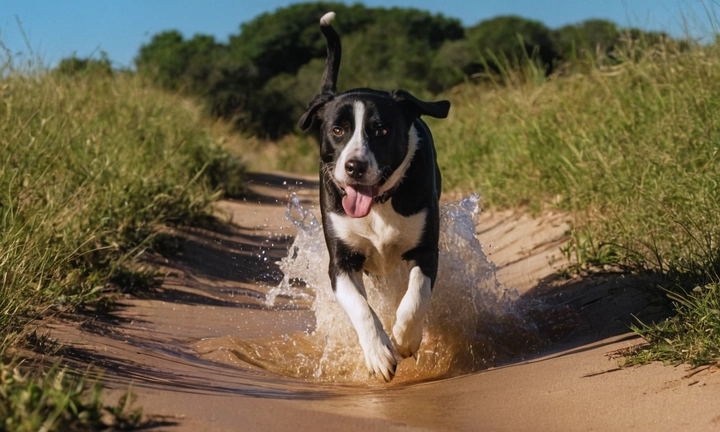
(56, 29)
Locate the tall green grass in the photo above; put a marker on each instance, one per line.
(632, 150)
(55, 400)
(91, 164)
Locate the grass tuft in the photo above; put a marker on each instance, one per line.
(689, 337)
(56, 400)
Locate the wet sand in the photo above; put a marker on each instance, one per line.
(215, 288)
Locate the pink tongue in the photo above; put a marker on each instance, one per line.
(358, 200)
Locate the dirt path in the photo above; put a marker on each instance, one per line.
(212, 291)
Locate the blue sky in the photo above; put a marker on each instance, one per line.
(56, 29)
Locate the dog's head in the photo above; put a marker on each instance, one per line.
(367, 138)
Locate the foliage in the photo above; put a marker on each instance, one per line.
(512, 40)
(588, 39)
(631, 150)
(263, 78)
(74, 65)
(283, 41)
(175, 64)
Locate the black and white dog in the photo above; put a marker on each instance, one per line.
(379, 192)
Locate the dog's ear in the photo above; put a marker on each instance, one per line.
(314, 107)
(417, 107)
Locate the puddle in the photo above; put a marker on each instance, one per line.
(474, 322)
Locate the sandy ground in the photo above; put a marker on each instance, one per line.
(211, 290)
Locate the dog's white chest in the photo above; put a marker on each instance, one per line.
(382, 236)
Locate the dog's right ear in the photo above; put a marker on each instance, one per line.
(313, 111)
(417, 107)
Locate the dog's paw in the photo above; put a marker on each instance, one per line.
(381, 358)
(408, 329)
(407, 338)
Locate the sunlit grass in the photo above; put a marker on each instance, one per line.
(91, 164)
(631, 150)
(691, 336)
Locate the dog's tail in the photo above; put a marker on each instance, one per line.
(332, 63)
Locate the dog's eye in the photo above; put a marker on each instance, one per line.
(380, 131)
(338, 131)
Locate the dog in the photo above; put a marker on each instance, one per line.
(379, 199)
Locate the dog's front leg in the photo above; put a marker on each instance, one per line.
(380, 356)
(408, 327)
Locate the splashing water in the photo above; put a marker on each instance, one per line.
(473, 322)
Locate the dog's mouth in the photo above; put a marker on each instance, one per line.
(358, 199)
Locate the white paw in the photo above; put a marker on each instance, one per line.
(407, 338)
(380, 357)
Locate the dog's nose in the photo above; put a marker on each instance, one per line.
(356, 169)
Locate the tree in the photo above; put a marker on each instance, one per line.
(511, 40)
(589, 37)
(283, 41)
(163, 59)
(253, 81)
(263, 78)
(74, 65)
(453, 62)
(174, 63)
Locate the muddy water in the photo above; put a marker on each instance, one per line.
(474, 321)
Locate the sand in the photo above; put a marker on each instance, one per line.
(211, 291)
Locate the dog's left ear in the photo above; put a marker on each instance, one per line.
(314, 107)
(417, 107)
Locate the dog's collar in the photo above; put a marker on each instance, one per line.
(399, 174)
(385, 196)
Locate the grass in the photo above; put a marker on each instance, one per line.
(91, 164)
(629, 146)
(691, 336)
(57, 400)
(633, 152)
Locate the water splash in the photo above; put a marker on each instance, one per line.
(473, 322)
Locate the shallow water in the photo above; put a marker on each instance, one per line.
(474, 322)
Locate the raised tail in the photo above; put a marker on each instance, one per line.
(332, 63)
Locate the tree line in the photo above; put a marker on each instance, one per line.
(262, 79)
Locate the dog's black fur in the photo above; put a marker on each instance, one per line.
(379, 193)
